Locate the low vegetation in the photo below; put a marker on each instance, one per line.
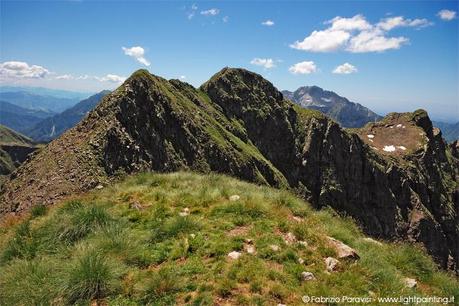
(164, 239)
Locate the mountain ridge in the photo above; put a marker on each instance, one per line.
(346, 113)
(238, 123)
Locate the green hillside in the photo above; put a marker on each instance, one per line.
(165, 238)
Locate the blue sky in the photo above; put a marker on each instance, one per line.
(400, 55)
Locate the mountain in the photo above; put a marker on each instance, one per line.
(58, 93)
(189, 239)
(37, 102)
(14, 150)
(405, 187)
(450, 131)
(340, 109)
(50, 128)
(20, 119)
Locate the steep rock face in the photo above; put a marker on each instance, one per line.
(238, 123)
(340, 109)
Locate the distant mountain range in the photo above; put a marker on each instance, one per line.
(53, 127)
(450, 131)
(20, 119)
(38, 102)
(340, 109)
(58, 93)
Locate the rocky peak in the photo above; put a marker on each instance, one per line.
(340, 109)
(237, 90)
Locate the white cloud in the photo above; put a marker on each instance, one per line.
(182, 77)
(358, 22)
(191, 13)
(64, 77)
(305, 67)
(322, 41)
(390, 23)
(268, 23)
(225, 19)
(374, 41)
(21, 70)
(345, 68)
(112, 78)
(356, 35)
(138, 53)
(267, 63)
(210, 12)
(447, 15)
(83, 77)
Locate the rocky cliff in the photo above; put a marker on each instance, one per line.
(238, 123)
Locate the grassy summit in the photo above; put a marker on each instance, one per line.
(165, 238)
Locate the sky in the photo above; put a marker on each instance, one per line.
(386, 55)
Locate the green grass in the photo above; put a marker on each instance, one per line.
(101, 247)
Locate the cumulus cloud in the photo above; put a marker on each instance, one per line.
(374, 41)
(268, 23)
(390, 23)
(345, 68)
(112, 78)
(305, 67)
(138, 53)
(446, 15)
(22, 70)
(210, 12)
(356, 34)
(358, 22)
(266, 63)
(322, 41)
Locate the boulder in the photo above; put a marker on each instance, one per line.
(343, 250)
(331, 264)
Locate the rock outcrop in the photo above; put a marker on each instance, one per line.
(238, 123)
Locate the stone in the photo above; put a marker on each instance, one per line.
(410, 282)
(99, 187)
(184, 212)
(371, 240)
(250, 249)
(307, 276)
(234, 254)
(289, 238)
(331, 264)
(300, 261)
(234, 198)
(303, 243)
(343, 250)
(274, 247)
